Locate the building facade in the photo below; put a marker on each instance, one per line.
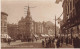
(4, 32)
(71, 17)
(38, 27)
(13, 31)
(25, 26)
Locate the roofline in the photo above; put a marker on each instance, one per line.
(4, 13)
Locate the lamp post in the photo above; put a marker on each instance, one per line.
(59, 22)
(55, 26)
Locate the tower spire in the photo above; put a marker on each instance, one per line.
(28, 11)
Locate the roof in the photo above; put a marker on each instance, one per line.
(4, 13)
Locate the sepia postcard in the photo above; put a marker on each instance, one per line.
(40, 24)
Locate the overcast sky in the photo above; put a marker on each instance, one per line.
(45, 10)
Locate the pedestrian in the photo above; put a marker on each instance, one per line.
(58, 43)
(70, 40)
(45, 43)
(32, 40)
(74, 41)
(55, 41)
(49, 42)
(61, 41)
(9, 41)
(66, 40)
(36, 39)
(42, 43)
(77, 42)
(52, 45)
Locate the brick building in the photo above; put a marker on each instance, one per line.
(71, 17)
(25, 26)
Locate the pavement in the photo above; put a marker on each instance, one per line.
(66, 46)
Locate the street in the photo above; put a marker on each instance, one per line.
(35, 44)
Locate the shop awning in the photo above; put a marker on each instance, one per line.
(44, 35)
(5, 36)
(36, 35)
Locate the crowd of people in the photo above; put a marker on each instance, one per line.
(48, 42)
(76, 42)
(59, 41)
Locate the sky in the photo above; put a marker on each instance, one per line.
(45, 10)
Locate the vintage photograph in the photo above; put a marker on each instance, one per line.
(40, 24)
